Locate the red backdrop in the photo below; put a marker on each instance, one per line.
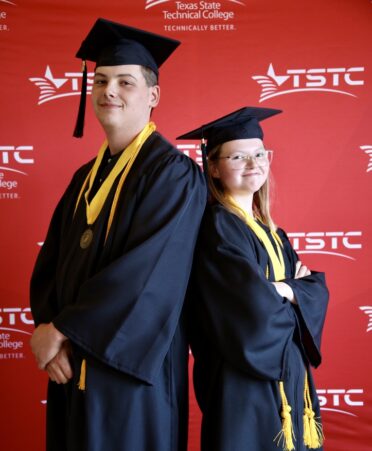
(311, 59)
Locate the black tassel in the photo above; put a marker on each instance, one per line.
(79, 127)
(203, 148)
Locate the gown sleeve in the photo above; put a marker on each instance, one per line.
(242, 315)
(312, 297)
(126, 314)
(43, 292)
(44, 305)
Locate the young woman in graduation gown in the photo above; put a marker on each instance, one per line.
(256, 311)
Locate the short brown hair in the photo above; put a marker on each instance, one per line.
(150, 77)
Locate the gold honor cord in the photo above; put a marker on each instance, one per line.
(125, 162)
(276, 259)
(313, 432)
(94, 208)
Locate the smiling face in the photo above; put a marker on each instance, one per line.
(122, 98)
(250, 177)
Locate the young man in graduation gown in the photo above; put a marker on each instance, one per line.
(108, 286)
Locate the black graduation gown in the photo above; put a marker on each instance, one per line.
(245, 337)
(120, 304)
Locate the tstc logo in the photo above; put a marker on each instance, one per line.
(329, 243)
(340, 400)
(15, 155)
(193, 151)
(16, 319)
(151, 3)
(300, 80)
(12, 160)
(52, 88)
(368, 151)
(367, 309)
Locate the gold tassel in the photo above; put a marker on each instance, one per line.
(313, 431)
(83, 373)
(306, 427)
(286, 434)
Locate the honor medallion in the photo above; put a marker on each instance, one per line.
(86, 238)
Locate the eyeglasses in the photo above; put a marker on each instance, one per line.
(238, 161)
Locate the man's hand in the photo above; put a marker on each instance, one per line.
(59, 368)
(46, 341)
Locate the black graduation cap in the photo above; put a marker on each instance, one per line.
(112, 44)
(240, 124)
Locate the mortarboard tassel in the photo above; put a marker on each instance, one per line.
(79, 127)
(286, 434)
(313, 431)
(83, 373)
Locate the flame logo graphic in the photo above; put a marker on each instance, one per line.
(367, 309)
(368, 151)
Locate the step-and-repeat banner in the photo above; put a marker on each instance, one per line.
(312, 59)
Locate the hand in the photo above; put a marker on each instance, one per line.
(46, 341)
(59, 368)
(301, 270)
(285, 291)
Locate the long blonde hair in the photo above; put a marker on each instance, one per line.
(261, 198)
